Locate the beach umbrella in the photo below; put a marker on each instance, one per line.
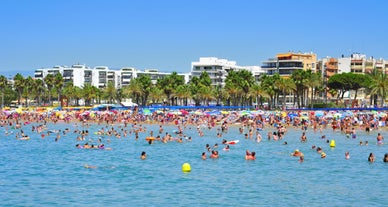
(6, 112)
(18, 110)
(337, 115)
(184, 112)
(292, 115)
(198, 112)
(159, 112)
(347, 113)
(304, 117)
(225, 112)
(329, 116)
(244, 113)
(319, 113)
(146, 111)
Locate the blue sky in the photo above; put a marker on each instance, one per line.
(170, 34)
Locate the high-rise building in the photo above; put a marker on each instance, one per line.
(286, 63)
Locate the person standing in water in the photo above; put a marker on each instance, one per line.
(379, 139)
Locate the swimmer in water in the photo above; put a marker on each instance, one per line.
(371, 157)
(385, 157)
(90, 166)
(250, 155)
(143, 155)
(214, 154)
(203, 156)
(297, 153)
(347, 155)
(379, 139)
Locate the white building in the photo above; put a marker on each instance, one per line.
(100, 76)
(76, 74)
(218, 69)
(344, 64)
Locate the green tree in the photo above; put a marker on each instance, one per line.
(3, 86)
(169, 84)
(379, 87)
(38, 90)
(270, 88)
(110, 92)
(58, 85)
(156, 94)
(133, 90)
(313, 81)
(145, 84)
(258, 93)
(28, 87)
(285, 86)
(19, 85)
(89, 93)
(49, 80)
(300, 78)
(183, 94)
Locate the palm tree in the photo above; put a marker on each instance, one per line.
(3, 85)
(110, 92)
(300, 77)
(156, 94)
(379, 87)
(373, 75)
(313, 81)
(257, 93)
(73, 93)
(28, 85)
(19, 85)
(205, 94)
(194, 87)
(145, 84)
(183, 94)
(133, 90)
(233, 91)
(285, 86)
(49, 81)
(38, 88)
(89, 93)
(268, 84)
(58, 84)
(169, 84)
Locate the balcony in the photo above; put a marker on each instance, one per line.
(331, 67)
(356, 71)
(356, 67)
(356, 61)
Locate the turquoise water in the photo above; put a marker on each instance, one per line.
(42, 172)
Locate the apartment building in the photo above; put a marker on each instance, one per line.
(218, 69)
(100, 76)
(286, 63)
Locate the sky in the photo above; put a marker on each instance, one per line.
(170, 34)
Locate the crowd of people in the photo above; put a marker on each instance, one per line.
(120, 124)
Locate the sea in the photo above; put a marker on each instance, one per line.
(44, 172)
